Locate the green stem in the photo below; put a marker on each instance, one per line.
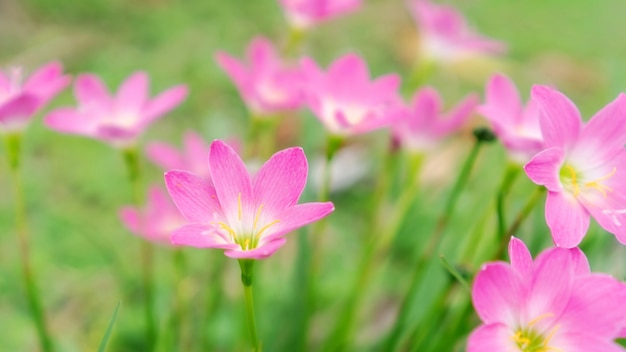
(247, 268)
(512, 170)
(131, 157)
(294, 41)
(13, 142)
(431, 247)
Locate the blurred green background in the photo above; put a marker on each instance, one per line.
(86, 260)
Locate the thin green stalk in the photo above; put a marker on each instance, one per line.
(32, 293)
(512, 170)
(247, 268)
(294, 42)
(435, 239)
(131, 157)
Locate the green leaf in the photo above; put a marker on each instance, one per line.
(457, 275)
(107, 333)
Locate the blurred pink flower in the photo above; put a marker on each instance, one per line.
(345, 100)
(583, 166)
(423, 124)
(552, 304)
(248, 217)
(192, 158)
(303, 14)
(119, 119)
(20, 101)
(516, 126)
(157, 221)
(446, 37)
(266, 83)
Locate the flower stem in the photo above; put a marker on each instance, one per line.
(13, 143)
(247, 268)
(431, 247)
(293, 43)
(512, 170)
(131, 157)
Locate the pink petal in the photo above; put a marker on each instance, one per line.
(231, 180)
(235, 69)
(68, 120)
(130, 218)
(426, 106)
(503, 104)
(348, 72)
(194, 197)
(197, 153)
(461, 113)
(281, 180)
(580, 264)
(164, 102)
(90, 91)
(583, 342)
(491, 338)
(559, 118)
(260, 252)
(261, 54)
(567, 219)
(544, 168)
(521, 260)
(497, 294)
(133, 92)
(47, 81)
(297, 216)
(19, 109)
(165, 156)
(596, 306)
(200, 236)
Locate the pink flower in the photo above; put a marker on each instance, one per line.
(157, 221)
(266, 84)
(304, 14)
(446, 37)
(193, 157)
(583, 166)
(552, 304)
(516, 126)
(119, 119)
(20, 101)
(345, 100)
(247, 216)
(423, 124)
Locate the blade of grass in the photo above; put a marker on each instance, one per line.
(107, 333)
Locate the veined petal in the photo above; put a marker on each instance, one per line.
(90, 91)
(200, 236)
(263, 251)
(583, 342)
(521, 260)
(164, 102)
(497, 294)
(491, 338)
(164, 155)
(194, 197)
(281, 180)
(567, 219)
(543, 168)
(298, 216)
(132, 93)
(558, 117)
(231, 180)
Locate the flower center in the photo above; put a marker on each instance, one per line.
(247, 237)
(575, 182)
(529, 340)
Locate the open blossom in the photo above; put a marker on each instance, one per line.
(423, 124)
(19, 101)
(344, 98)
(446, 37)
(157, 221)
(515, 125)
(303, 14)
(119, 119)
(583, 166)
(266, 83)
(247, 216)
(552, 304)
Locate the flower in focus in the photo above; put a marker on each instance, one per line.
(583, 166)
(303, 14)
(157, 221)
(516, 126)
(119, 119)
(345, 100)
(246, 216)
(423, 124)
(192, 158)
(19, 101)
(552, 304)
(266, 83)
(446, 37)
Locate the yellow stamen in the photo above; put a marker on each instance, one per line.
(595, 184)
(239, 206)
(258, 234)
(256, 217)
(573, 177)
(246, 244)
(539, 318)
(227, 228)
(549, 337)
